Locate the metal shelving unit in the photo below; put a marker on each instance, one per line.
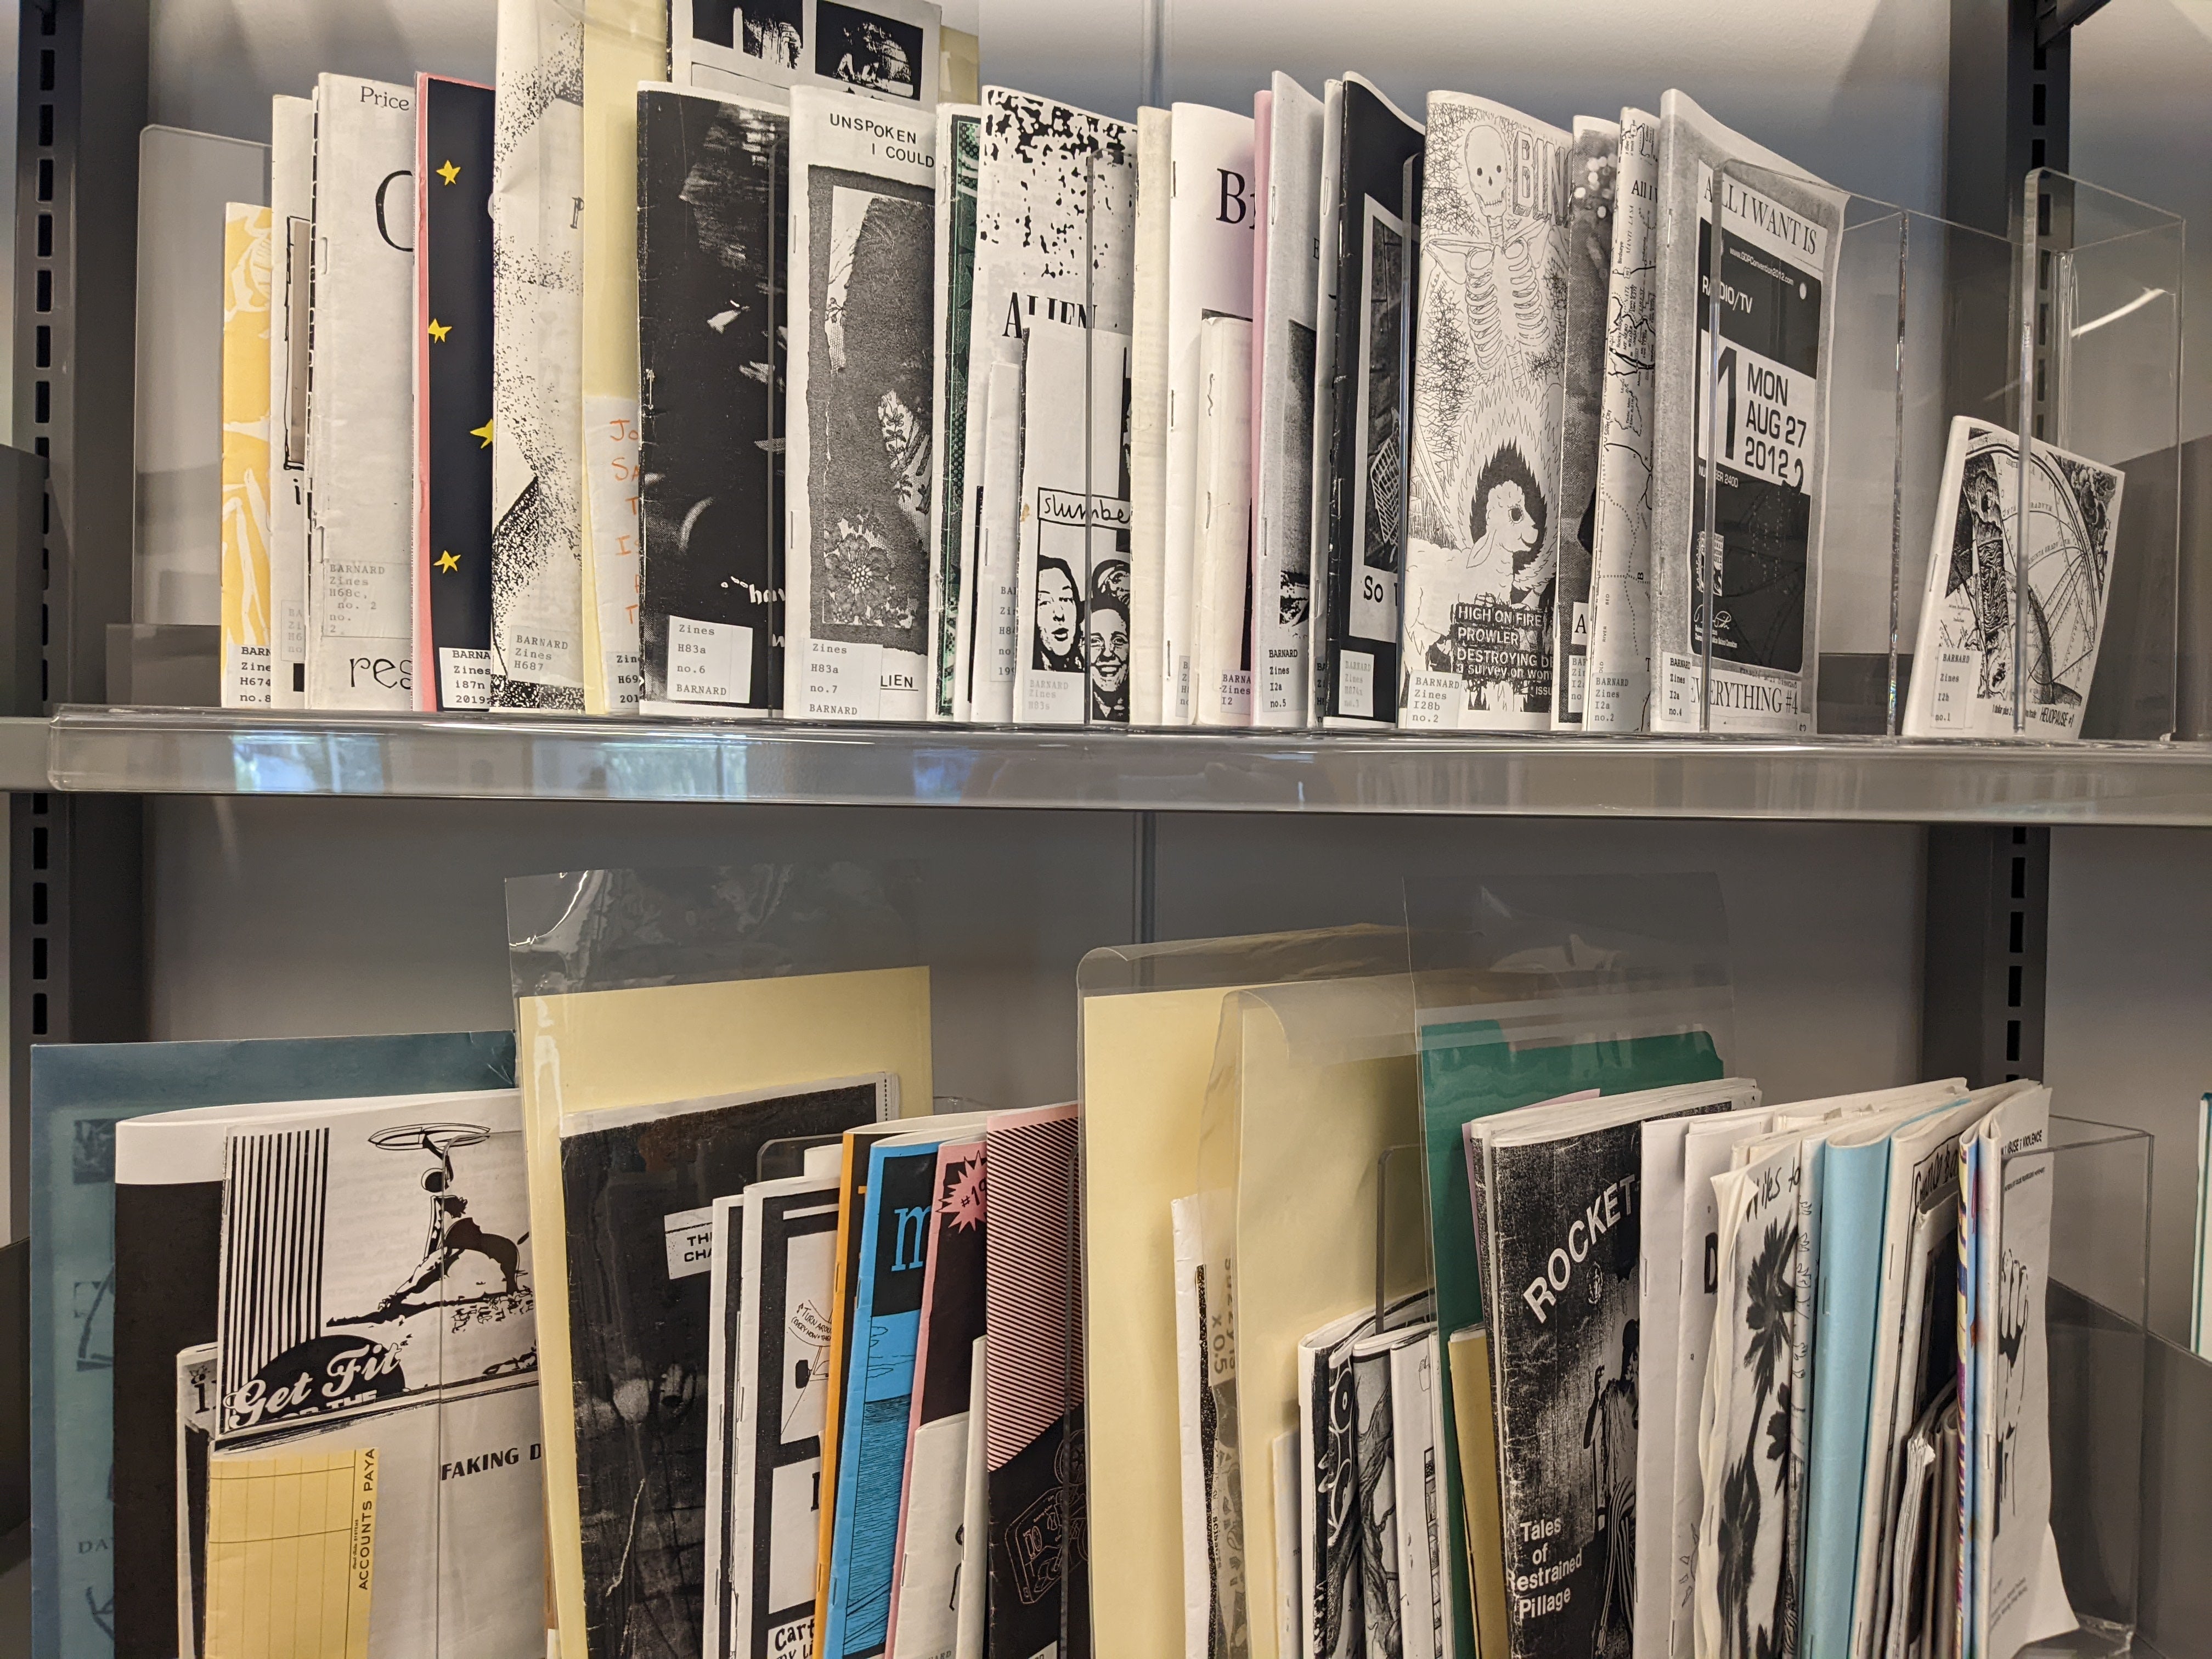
(79, 938)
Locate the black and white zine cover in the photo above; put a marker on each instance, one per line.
(858, 467)
(713, 203)
(1055, 223)
(1071, 664)
(1221, 545)
(1331, 1585)
(372, 1255)
(886, 49)
(1565, 1220)
(1779, 232)
(1483, 532)
(1360, 473)
(537, 384)
(291, 206)
(1213, 220)
(361, 428)
(959, 148)
(1747, 1572)
(1282, 489)
(637, 1191)
(1981, 639)
(1592, 169)
(790, 1234)
(1620, 663)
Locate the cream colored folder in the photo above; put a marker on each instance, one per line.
(1311, 1084)
(1150, 1017)
(584, 1051)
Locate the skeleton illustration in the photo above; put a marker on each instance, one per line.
(1509, 323)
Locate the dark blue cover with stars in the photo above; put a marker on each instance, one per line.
(453, 276)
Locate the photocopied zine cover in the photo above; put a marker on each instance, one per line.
(1282, 485)
(1382, 1589)
(625, 50)
(375, 1299)
(382, 1251)
(724, 1233)
(1424, 1541)
(361, 446)
(1196, 1438)
(1148, 416)
(1222, 550)
(857, 466)
(998, 523)
(196, 1402)
(712, 217)
(1051, 182)
(1033, 1421)
(1483, 536)
(959, 149)
(790, 1228)
(246, 247)
(1620, 685)
(1072, 598)
(1777, 325)
(877, 1409)
(452, 394)
(410, 1491)
(886, 49)
(1972, 654)
(1566, 1356)
(1331, 1583)
(292, 231)
(1743, 1432)
(637, 1186)
(1592, 172)
(1211, 216)
(2015, 1593)
(537, 314)
(1263, 140)
(925, 1587)
(1676, 1322)
(1360, 464)
(133, 1137)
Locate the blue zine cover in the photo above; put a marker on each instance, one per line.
(79, 1093)
(1854, 1185)
(878, 1399)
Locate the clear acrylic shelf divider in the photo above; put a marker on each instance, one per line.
(2096, 319)
(2097, 1324)
(1845, 337)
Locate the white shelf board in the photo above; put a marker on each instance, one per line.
(216, 752)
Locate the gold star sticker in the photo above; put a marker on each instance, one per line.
(448, 173)
(449, 562)
(483, 432)
(439, 330)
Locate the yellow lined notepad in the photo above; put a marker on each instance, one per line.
(291, 1552)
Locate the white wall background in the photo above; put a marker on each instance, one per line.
(271, 917)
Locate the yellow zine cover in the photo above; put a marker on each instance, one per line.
(245, 654)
